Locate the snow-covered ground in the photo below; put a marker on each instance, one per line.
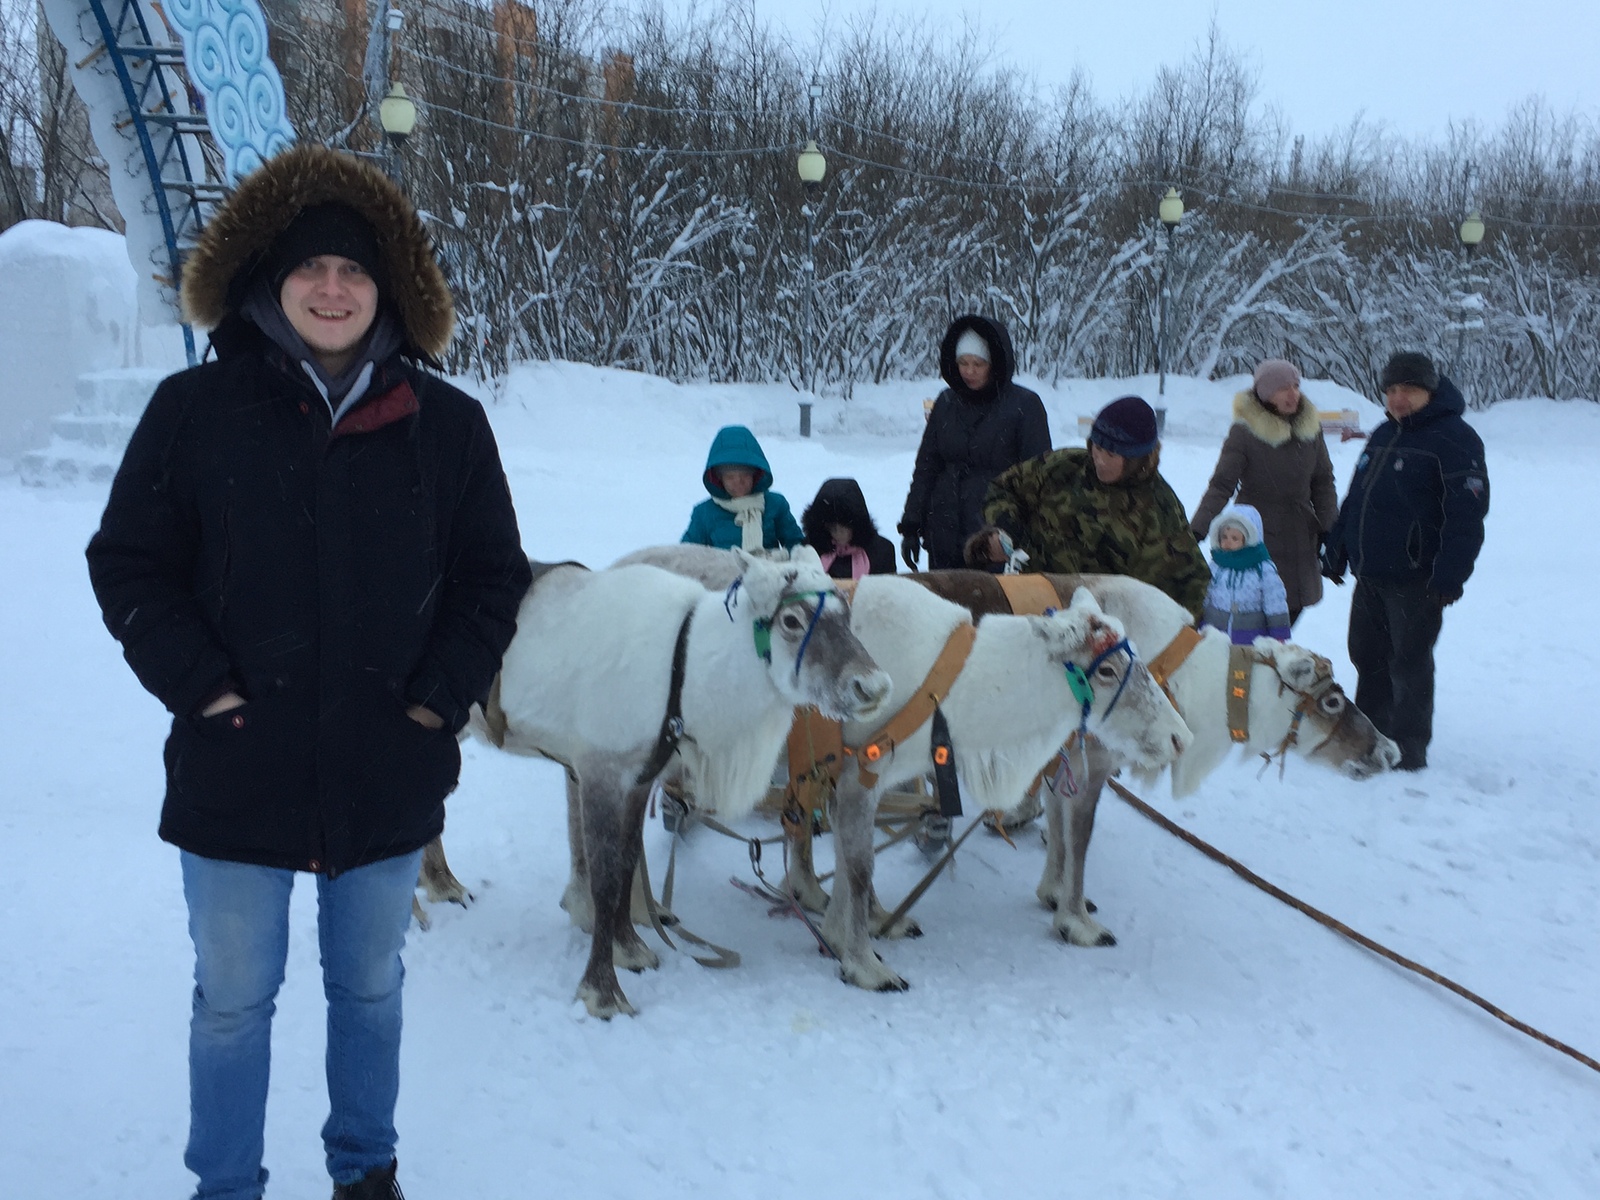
(1226, 1047)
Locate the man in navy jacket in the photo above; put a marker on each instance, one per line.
(1410, 529)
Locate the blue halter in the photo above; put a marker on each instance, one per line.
(761, 627)
(1078, 679)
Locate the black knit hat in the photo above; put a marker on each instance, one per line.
(324, 229)
(1126, 426)
(1412, 367)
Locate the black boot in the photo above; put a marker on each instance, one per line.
(378, 1184)
(1413, 755)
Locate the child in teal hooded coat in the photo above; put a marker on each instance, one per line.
(743, 510)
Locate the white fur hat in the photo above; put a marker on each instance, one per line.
(971, 343)
(1242, 517)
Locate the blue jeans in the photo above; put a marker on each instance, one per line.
(239, 920)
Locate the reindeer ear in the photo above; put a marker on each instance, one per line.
(1083, 601)
(1297, 666)
(805, 556)
(744, 557)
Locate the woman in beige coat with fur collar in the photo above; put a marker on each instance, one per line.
(1276, 459)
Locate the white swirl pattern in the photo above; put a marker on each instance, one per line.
(225, 48)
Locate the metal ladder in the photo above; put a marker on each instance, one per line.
(166, 114)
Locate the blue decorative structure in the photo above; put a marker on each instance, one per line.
(167, 87)
(225, 47)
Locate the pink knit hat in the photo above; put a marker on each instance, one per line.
(1273, 375)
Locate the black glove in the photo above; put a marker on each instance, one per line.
(910, 545)
(1333, 561)
(1442, 599)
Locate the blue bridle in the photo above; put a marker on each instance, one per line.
(762, 626)
(1078, 679)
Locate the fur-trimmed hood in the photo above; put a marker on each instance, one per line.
(239, 234)
(1271, 427)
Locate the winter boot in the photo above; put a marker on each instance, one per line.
(378, 1184)
(1413, 755)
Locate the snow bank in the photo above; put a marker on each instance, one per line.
(67, 307)
(1225, 1048)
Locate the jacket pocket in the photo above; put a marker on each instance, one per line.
(245, 760)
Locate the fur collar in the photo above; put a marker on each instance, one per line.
(1271, 428)
(261, 207)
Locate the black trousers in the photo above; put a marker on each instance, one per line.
(1393, 628)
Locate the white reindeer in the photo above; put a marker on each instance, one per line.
(1331, 731)
(1010, 708)
(588, 682)
(1334, 732)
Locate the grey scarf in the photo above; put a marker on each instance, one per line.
(340, 392)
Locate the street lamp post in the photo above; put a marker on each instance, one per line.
(812, 167)
(1470, 234)
(398, 117)
(1171, 212)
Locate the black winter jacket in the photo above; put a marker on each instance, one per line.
(1417, 500)
(332, 577)
(969, 439)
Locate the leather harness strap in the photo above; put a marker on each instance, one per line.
(1029, 595)
(919, 707)
(1241, 662)
(672, 724)
(1173, 655)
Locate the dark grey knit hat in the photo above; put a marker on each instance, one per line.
(1412, 367)
(1126, 426)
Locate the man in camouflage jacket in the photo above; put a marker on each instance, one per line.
(1062, 509)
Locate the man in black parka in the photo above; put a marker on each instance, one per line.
(1410, 529)
(981, 424)
(311, 558)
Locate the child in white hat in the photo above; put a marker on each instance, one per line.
(1246, 598)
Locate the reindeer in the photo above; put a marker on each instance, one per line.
(613, 673)
(1291, 679)
(1011, 707)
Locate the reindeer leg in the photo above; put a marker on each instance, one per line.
(1052, 883)
(845, 928)
(800, 881)
(628, 950)
(1073, 922)
(437, 878)
(605, 842)
(576, 899)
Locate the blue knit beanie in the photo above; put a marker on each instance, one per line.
(1126, 426)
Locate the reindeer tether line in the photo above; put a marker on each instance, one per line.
(1339, 927)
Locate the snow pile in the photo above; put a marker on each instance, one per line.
(67, 307)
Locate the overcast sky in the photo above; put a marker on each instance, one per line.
(1412, 64)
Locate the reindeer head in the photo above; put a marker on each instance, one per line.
(1121, 703)
(801, 625)
(1333, 730)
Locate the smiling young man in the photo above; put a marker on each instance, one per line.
(1410, 529)
(310, 557)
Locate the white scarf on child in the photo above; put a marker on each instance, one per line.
(748, 512)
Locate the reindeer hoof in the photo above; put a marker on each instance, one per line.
(579, 907)
(604, 1003)
(1081, 931)
(634, 956)
(1091, 906)
(872, 976)
(905, 927)
(423, 923)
